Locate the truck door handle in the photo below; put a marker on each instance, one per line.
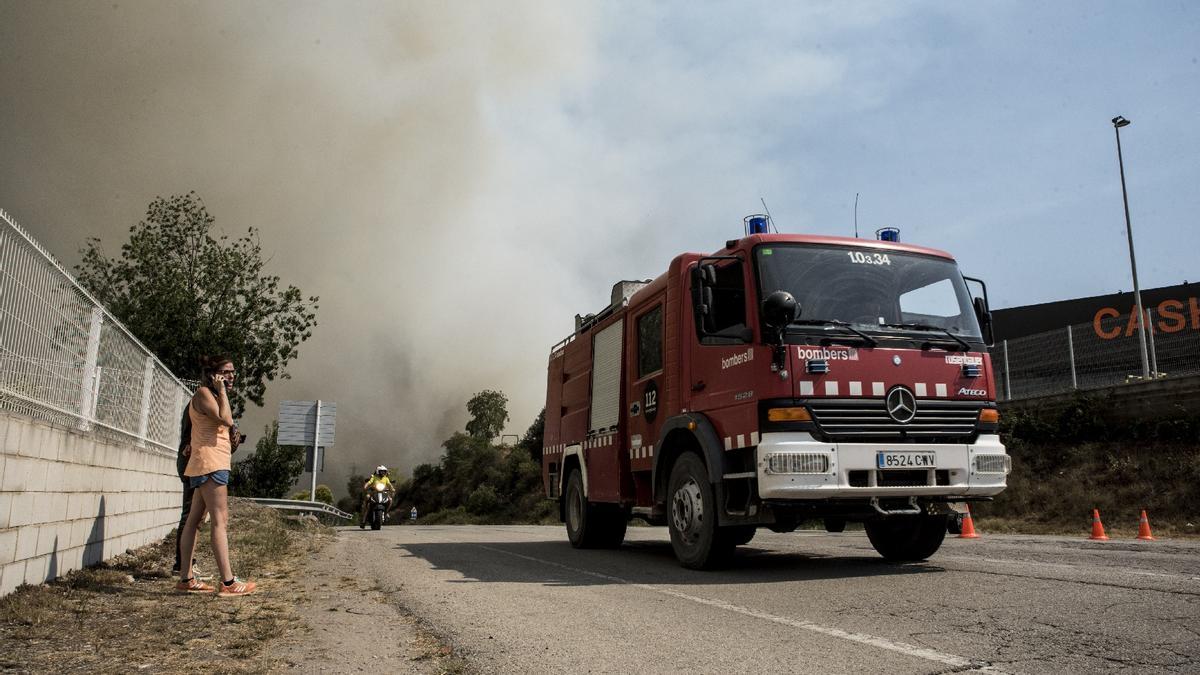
(699, 385)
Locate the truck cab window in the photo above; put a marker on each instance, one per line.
(728, 307)
(935, 300)
(649, 328)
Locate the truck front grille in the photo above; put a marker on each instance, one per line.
(866, 419)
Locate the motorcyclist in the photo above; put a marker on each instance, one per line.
(379, 477)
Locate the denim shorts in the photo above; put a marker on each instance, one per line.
(219, 477)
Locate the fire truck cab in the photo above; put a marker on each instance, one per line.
(781, 379)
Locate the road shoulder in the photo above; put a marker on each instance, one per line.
(353, 623)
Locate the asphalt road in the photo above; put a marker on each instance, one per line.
(521, 600)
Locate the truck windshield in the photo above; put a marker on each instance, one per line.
(874, 291)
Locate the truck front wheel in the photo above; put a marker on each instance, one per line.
(907, 538)
(591, 525)
(692, 517)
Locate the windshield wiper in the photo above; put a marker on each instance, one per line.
(837, 324)
(924, 326)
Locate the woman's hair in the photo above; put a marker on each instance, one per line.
(211, 364)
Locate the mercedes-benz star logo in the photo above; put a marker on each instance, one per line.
(901, 405)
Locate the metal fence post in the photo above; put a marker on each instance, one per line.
(1150, 332)
(147, 390)
(88, 388)
(1007, 380)
(1071, 352)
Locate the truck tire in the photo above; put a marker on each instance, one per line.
(591, 525)
(907, 538)
(692, 517)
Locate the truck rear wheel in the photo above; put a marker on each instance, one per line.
(591, 525)
(692, 517)
(907, 538)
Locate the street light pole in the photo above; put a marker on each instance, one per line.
(1119, 122)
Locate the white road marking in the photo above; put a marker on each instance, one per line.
(861, 638)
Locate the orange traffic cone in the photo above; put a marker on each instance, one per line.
(1144, 528)
(968, 526)
(1097, 527)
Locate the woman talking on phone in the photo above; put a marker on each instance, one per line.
(208, 472)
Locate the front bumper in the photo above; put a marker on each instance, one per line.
(841, 470)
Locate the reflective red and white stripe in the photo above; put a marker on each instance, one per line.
(644, 452)
(599, 441)
(859, 388)
(742, 441)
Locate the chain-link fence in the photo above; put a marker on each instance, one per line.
(64, 358)
(1097, 354)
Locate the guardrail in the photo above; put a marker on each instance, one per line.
(298, 505)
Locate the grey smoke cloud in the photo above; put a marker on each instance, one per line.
(457, 180)
(359, 138)
(454, 181)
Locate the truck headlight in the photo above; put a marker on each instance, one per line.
(1001, 464)
(797, 462)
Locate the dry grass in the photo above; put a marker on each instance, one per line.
(1068, 462)
(124, 615)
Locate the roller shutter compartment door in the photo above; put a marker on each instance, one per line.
(606, 377)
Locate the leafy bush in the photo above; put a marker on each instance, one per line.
(483, 501)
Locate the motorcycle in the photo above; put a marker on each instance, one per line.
(379, 500)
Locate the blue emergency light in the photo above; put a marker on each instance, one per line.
(888, 234)
(757, 224)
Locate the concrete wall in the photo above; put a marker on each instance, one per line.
(70, 499)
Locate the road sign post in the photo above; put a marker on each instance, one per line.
(312, 495)
(311, 424)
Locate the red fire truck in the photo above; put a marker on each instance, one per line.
(781, 379)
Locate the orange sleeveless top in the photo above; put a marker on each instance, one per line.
(210, 445)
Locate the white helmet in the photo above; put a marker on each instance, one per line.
(381, 469)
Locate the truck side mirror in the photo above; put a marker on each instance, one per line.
(984, 315)
(706, 309)
(704, 277)
(779, 310)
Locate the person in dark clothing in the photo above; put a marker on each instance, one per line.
(236, 438)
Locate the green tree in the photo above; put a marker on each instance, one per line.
(532, 441)
(489, 414)
(271, 470)
(352, 502)
(186, 293)
(483, 501)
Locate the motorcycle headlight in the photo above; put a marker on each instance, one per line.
(379, 487)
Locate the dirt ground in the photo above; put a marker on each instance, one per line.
(352, 625)
(309, 613)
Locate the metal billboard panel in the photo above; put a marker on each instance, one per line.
(297, 419)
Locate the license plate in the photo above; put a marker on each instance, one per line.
(906, 460)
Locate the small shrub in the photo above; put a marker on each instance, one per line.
(483, 501)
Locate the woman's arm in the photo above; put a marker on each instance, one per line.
(214, 407)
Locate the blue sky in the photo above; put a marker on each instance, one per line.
(984, 131)
(457, 180)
